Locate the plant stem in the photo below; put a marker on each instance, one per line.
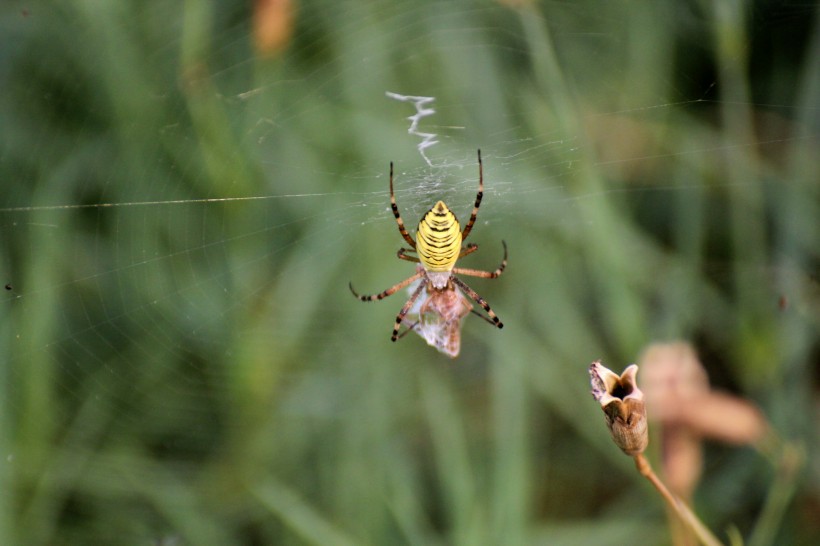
(686, 515)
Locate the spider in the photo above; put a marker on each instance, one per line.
(438, 247)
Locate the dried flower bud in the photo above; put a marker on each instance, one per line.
(678, 393)
(273, 24)
(622, 402)
(686, 409)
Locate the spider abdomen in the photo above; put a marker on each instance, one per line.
(438, 239)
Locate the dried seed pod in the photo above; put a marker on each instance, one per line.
(623, 405)
(687, 410)
(273, 25)
(678, 393)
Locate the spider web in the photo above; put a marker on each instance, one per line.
(183, 208)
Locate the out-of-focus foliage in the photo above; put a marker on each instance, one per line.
(183, 191)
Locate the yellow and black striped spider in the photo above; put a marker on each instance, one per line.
(438, 245)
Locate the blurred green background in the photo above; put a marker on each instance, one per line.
(188, 188)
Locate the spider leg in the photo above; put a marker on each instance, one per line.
(478, 299)
(405, 309)
(469, 249)
(402, 256)
(389, 292)
(395, 208)
(409, 329)
(484, 274)
(483, 317)
(478, 197)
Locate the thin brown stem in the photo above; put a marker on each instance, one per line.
(686, 515)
